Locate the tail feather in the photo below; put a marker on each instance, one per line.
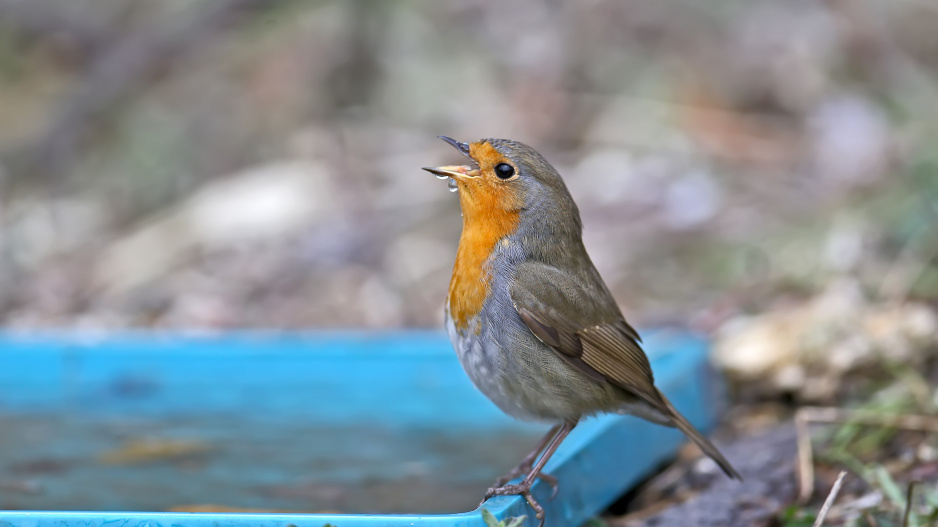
(708, 448)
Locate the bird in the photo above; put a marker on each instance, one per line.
(532, 322)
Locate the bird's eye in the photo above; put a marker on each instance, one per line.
(504, 170)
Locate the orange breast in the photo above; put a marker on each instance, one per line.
(490, 213)
(470, 284)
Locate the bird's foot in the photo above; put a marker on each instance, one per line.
(523, 489)
(523, 469)
(549, 445)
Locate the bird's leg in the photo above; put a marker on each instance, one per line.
(528, 462)
(524, 488)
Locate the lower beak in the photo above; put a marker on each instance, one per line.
(458, 172)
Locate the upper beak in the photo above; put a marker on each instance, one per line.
(462, 147)
(455, 171)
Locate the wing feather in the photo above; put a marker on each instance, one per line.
(590, 335)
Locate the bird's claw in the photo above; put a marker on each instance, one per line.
(520, 471)
(538, 510)
(552, 481)
(524, 489)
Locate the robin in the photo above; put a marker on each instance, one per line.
(533, 323)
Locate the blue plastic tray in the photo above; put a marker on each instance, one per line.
(361, 409)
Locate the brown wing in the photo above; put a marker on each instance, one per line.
(585, 327)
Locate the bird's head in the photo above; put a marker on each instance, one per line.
(505, 177)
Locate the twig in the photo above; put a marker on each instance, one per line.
(870, 519)
(922, 423)
(813, 414)
(805, 457)
(830, 499)
(908, 503)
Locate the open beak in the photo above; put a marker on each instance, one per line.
(457, 172)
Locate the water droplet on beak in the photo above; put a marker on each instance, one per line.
(453, 187)
(441, 176)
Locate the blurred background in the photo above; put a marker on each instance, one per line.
(255, 163)
(762, 171)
